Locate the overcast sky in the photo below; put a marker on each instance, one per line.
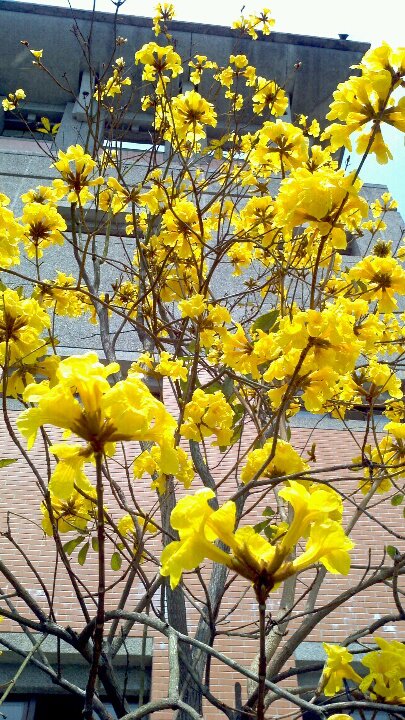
(369, 20)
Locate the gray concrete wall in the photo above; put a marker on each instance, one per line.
(323, 61)
(22, 166)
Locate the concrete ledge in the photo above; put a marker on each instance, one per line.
(70, 656)
(183, 26)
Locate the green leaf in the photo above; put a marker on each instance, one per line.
(94, 544)
(72, 544)
(260, 526)
(397, 500)
(81, 558)
(239, 412)
(392, 551)
(268, 512)
(4, 462)
(116, 561)
(270, 533)
(266, 322)
(228, 388)
(361, 285)
(236, 434)
(213, 388)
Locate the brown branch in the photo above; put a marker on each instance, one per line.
(99, 628)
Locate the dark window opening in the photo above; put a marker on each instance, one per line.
(27, 124)
(44, 707)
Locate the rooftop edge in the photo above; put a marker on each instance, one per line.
(182, 26)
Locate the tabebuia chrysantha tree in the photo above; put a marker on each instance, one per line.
(176, 476)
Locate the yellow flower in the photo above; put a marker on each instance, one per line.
(256, 222)
(386, 667)
(286, 461)
(269, 96)
(164, 12)
(337, 669)
(366, 101)
(253, 23)
(327, 544)
(150, 462)
(43, 227)
(236, 100)
(135, 532)
(25, 374)
(198, 526)
(194, 307)
(47, 128)
(22, 322)
(316, 504)
(238, 353)
(212, 326)
(206, 415)
(115, 83)
(181, 229)
(383, 277)
(43, 194)
(82, 402)
(225, 77)
(157, 61)
(10, 235)
(11, 101)
(126, 296)
(280, 146)
(116, 197)
(62, 296)
(327, 199)
(75, 166)
(240, 256)
(199, 64)
(385, 58)
(189, 114)
(388, 453)
(171, 367)
(251, 555)
(397, 429)
(72, 513)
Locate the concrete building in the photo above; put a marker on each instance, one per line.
(322, 63)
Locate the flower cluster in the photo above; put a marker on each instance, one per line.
(317, 515)
(386, 671)
(362, 104)
(82, 402)
(76, 170)
(206, 415)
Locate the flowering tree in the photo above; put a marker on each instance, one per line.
(298, 332)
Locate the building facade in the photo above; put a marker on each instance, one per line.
(309, 68)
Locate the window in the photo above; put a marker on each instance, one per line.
(43, 707)
(26, 124)
(36, 697)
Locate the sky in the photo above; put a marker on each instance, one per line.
(372, 21)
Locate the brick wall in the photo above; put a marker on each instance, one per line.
(20, 513)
